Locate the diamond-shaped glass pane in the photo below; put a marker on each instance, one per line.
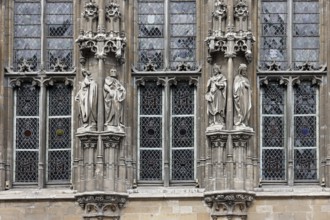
(273, 99)
(183, 99)
(273, 131)
(59, 133)
(27, 133)
(183, 164)
(273, 164)
(305, 98)
(151, 99)
(26, 166)
(151, 132)
(305, 164)
(59, 100)
(305, 131)
(59, 165)
(151, 165)
(27, 100)
(183, 132)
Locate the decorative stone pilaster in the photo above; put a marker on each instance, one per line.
(100, 205)
(229, 205)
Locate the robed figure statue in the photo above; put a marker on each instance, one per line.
(114, 95)
(87, 99)
(242, 98)
(216, 98)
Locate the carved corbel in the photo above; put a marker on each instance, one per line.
(140, 81)
(112, 12)
(193, 81)
(91, 10)
(229, 205)
(101, 205)
(218, 140)
(241, 140)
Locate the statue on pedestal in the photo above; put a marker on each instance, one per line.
(216, 98)
(242, 99)
(114, 95)
(87, 99)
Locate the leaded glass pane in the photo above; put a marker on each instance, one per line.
(27, 100)
(273, 99)
(27, 33)
(26, 166)
(151, 99)
(273, 131)
(59, 23)
(274, 30)
(27, 133)
(150, 165)
(305, 164)
(305, 131)
(59, 133)
(273, 164)
(151, 33)
(151, 132)
(183, 164)
(183, 33)
(59, 165)
(306, 32)
(183, 99)
(305, 99)
(59, 100)
(183, 132)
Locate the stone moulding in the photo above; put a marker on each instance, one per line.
(99, 204)
(218, 138)
(230, 204)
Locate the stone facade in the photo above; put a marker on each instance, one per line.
(105, 81)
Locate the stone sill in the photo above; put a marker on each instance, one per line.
(292, 191)
(276, 192)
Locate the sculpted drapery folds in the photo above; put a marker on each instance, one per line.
(87, 98)
(242, 98)
(216, 97)
(114, 95)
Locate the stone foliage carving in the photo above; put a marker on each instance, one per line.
(216, 98)
(114, 95)
(230, 205)
(87, 99)
(101, 205)
(242, 98)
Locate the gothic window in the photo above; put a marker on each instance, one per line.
(29, 148)
(166, 136)
(290, 33)
(43, 35)
(289, 132)
(166, 33)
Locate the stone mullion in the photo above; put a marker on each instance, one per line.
(290, 132)
(43, 40)
(42, 136)
(166, 143)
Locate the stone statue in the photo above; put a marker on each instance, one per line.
(87, 98)
(114, 95)
(216, 98)
(242, 98)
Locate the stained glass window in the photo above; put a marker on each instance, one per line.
(167, 124)
(273, 132)
(29, 29)
(59, 133)
(154, 33)
(151, 132)
(182, 132)
(28, 136)
(297, 43)
(27, 133)
(305, 132)
(302, 147)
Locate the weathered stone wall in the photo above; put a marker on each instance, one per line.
(288, 208)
